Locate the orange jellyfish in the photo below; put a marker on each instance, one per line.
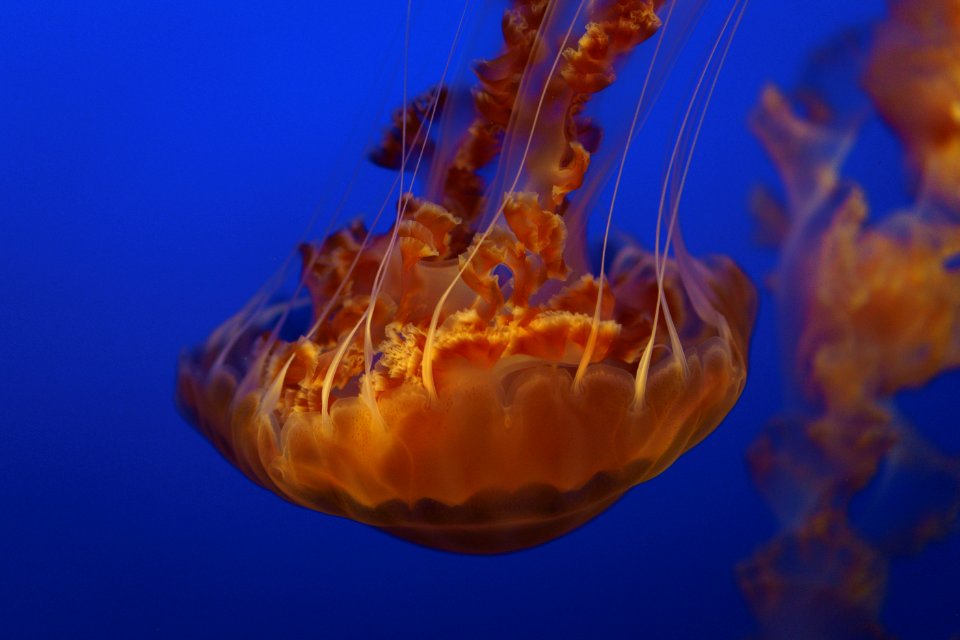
(918, 55)
(869, 309)
(466, 381)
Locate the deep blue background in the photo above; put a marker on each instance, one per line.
(157, 161)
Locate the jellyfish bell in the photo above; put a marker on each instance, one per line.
(465, 381)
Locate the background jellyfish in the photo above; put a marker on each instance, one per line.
(868, 309)
(465, 379)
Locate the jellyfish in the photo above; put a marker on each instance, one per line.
(869, 308)
(917, 54)
(466, 380)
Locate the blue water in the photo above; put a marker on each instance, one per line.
(157, 162)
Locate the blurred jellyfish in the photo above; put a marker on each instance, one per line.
(466, 381)
(867, 310)
(914, 78)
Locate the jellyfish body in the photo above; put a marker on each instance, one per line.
(914, 79)
(466, 382)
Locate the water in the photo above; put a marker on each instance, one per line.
(158, 163)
